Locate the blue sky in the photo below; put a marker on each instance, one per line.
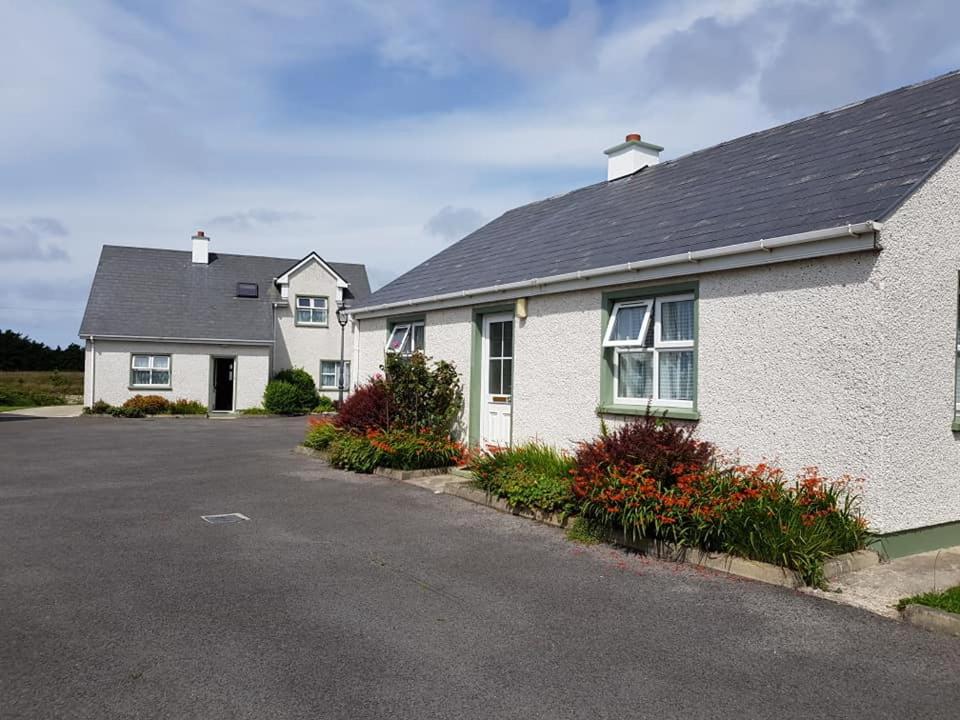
(379, 132)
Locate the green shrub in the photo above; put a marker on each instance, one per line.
(351, 451)
(98, 408)
(282, 398)
(324, 405)
(407, 450)
(127, 412)
(321, 434)
(148, 404)
(423, 397)
(182, 406)
(531, 475)
(255, 411)
(307, 395)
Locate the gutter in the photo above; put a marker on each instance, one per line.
(815, 243)
(199, 341)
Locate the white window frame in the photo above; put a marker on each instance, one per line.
(407, 330)
(608, 341)
(151, 368)
(637, 346)
(336, 375)
(313, 307)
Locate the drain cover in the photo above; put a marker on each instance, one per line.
(224, 519)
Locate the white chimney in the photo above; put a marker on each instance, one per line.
(631, 155)
(201, 248)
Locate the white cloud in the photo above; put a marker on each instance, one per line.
(138, 130)
(28, 240)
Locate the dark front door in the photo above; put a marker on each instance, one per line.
(223, 384)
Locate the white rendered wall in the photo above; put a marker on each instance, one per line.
(918, 271)
(190, 371)
(305, 346)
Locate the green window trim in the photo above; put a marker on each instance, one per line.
(607, 406)
(296, 311)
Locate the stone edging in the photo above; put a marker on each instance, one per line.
(721, 562)
(399, 475)
(310, 452)
(404, 475)
(932, 619)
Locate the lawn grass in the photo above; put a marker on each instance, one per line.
(948, 600)
(27, 388)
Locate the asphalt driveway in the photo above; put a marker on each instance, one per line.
(356, 597)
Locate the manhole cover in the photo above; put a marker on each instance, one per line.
(224, 518)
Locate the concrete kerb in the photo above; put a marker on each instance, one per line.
(932, 619)
(405, 475)
(310, 452)
(720, 562)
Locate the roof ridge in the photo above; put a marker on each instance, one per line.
(816, 115)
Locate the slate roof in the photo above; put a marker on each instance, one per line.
(849, 165)
(146, 292)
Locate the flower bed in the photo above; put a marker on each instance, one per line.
(403, 420)
(653, 480)
(143, 405)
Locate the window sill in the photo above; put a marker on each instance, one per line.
(671, 413)
(149, 387)
(311, 325)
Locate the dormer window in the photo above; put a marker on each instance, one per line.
(248, 290)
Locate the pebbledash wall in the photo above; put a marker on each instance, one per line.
(845, 362)
(306, 346)
(190, 364)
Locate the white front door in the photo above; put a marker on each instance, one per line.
(496, 386)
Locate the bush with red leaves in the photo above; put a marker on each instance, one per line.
(368, 407)
(658, 446)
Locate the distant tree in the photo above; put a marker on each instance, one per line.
(19, 352)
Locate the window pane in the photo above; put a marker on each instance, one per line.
(495, 382)
(676, 375)
(508, 340)
(141, 377)
(320, 316)
(161, 377)
(328, 373)
(629, 322)
(496, 339)
(676, 320)
(303, 316)
(507, 386)
(346, 374)
(141, 361)
(635, 375)
(303, 302)
(320, 303)
(396, 338)
(418, 337)
(161, 362)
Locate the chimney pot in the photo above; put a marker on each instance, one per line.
(632, 137)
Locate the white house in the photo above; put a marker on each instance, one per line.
(794, 292)
(213, 327)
